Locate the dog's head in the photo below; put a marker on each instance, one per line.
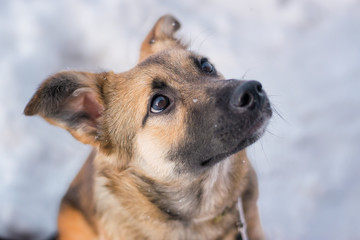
(173, 112)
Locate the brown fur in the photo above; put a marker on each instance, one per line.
(135, 184)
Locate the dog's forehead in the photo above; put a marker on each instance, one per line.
(173, 56)
(176, 66)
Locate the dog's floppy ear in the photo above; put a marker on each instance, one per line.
(161, 37)
(71, 100)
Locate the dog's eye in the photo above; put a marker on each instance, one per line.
(159, 103)
(206, 66)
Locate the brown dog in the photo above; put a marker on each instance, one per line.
(169, 138)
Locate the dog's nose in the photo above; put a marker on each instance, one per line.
(248, 96)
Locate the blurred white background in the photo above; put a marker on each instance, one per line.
(305, 52)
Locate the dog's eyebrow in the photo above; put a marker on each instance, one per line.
(158, 84)
(195, 59)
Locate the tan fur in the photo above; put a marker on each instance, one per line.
(128, 180)
(73, 226)
(148, 221)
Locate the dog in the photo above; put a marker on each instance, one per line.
(169, 139)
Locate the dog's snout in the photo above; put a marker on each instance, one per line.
(247, 96)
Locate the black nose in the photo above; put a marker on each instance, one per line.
(248, 96)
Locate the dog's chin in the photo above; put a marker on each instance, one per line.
(255, 133)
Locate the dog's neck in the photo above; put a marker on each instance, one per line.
(210, 196)
(188, 197)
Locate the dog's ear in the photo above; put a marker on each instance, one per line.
(161, 37)
(71, 100)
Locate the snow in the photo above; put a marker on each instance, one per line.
(305, 53)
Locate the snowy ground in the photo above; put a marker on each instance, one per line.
(306, 53)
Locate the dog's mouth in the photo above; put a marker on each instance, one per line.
(255, 132)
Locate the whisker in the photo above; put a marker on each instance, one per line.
(272, 134)
(263, 150)
(244, 75)
(201, 44)
(277, 112)
(273, 96)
